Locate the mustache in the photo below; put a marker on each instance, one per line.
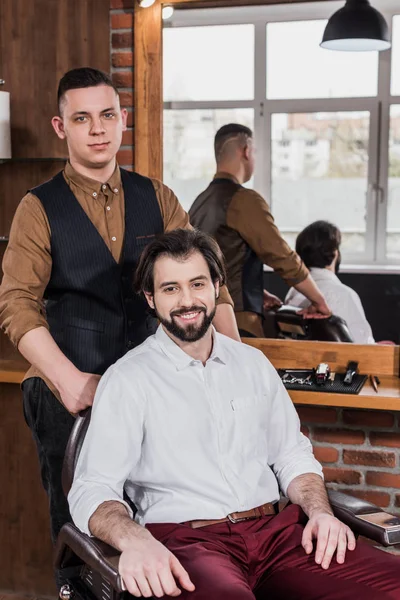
(185, 311)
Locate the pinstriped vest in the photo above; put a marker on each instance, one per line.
(93, 313)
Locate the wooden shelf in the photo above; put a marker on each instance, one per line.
(387, 398)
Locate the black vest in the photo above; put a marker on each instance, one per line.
(244, 269)
(93, 313)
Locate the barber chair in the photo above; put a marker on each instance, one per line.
(91, 567)
(286, 322)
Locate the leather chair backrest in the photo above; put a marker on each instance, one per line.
(288, 323)
(74, 447)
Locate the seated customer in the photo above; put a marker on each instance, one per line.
(196, 427)
(318, 245)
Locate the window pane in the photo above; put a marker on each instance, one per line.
(298, 68)
(393, 212)
(189, 162)
(395, 86)
(319, 171)
(209, 63)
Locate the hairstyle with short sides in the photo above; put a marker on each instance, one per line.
(317, 243)
(179, 244)
(83, 77)
(227, 133)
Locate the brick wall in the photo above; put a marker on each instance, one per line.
(121, 50)
(359, 450)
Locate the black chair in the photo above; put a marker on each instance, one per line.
(286, 322)
(91, 567)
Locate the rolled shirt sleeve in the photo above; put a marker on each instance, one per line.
(250, 215)
(290, 452)
(111, 449)
(27, 267)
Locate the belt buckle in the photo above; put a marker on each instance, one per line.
(238, 519)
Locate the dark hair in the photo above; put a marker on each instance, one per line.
(83, 77)
(230, 131)
(317, 243)
(180, 244)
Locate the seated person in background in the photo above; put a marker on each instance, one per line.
(241, 222)
(196, 427)
(318, 245)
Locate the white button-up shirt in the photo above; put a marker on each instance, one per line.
(341, 299)
(189, 441)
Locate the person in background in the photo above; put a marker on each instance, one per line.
(241, 222)
(318, 245)
(67, 299)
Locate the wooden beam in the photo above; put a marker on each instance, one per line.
(229, 3)
(148, 90)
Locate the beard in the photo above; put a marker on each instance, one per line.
(192, 332)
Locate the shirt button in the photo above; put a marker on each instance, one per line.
(114, 239)
(108, 207)
(116, 190)
(94, 194)
(103, 187)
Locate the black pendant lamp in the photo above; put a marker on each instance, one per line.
(357, 27)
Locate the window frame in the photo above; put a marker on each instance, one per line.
(378, 106)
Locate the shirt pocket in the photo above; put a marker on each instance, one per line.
(249, 417)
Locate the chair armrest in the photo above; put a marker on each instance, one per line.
(101, 557)
(380, 526)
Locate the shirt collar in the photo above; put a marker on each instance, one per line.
(179, 357)
(319, 273)
(91, 186)
(223, 175)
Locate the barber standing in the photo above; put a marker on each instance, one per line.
(75, 242)
(241, 222)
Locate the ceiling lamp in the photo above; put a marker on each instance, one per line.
(357, 27)
(146, 3)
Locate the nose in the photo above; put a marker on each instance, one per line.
(97, 127)
(187, 297)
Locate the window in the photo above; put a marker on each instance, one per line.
(312, 72)
(189, 162)
(320, 118)
(330, 183)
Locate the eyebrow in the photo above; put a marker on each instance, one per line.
(166, 283)
(85, 112)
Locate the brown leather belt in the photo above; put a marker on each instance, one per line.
(254, 513)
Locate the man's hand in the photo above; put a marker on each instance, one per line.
(270, 301)
(78, 392)
(332, 536)
(316, 310)
(148, 569)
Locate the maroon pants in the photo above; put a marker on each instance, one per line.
(263, 558)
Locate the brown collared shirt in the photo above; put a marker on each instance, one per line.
(249, 215)
(27, 262)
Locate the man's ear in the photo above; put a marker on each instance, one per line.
(58, 126)
(217, 286)
(150, 299)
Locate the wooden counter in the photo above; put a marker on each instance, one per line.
(373, 360)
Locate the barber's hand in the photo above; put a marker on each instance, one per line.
(148, 569)
(331, 535)
(270, 301)
(78, 392)
(316, 310)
